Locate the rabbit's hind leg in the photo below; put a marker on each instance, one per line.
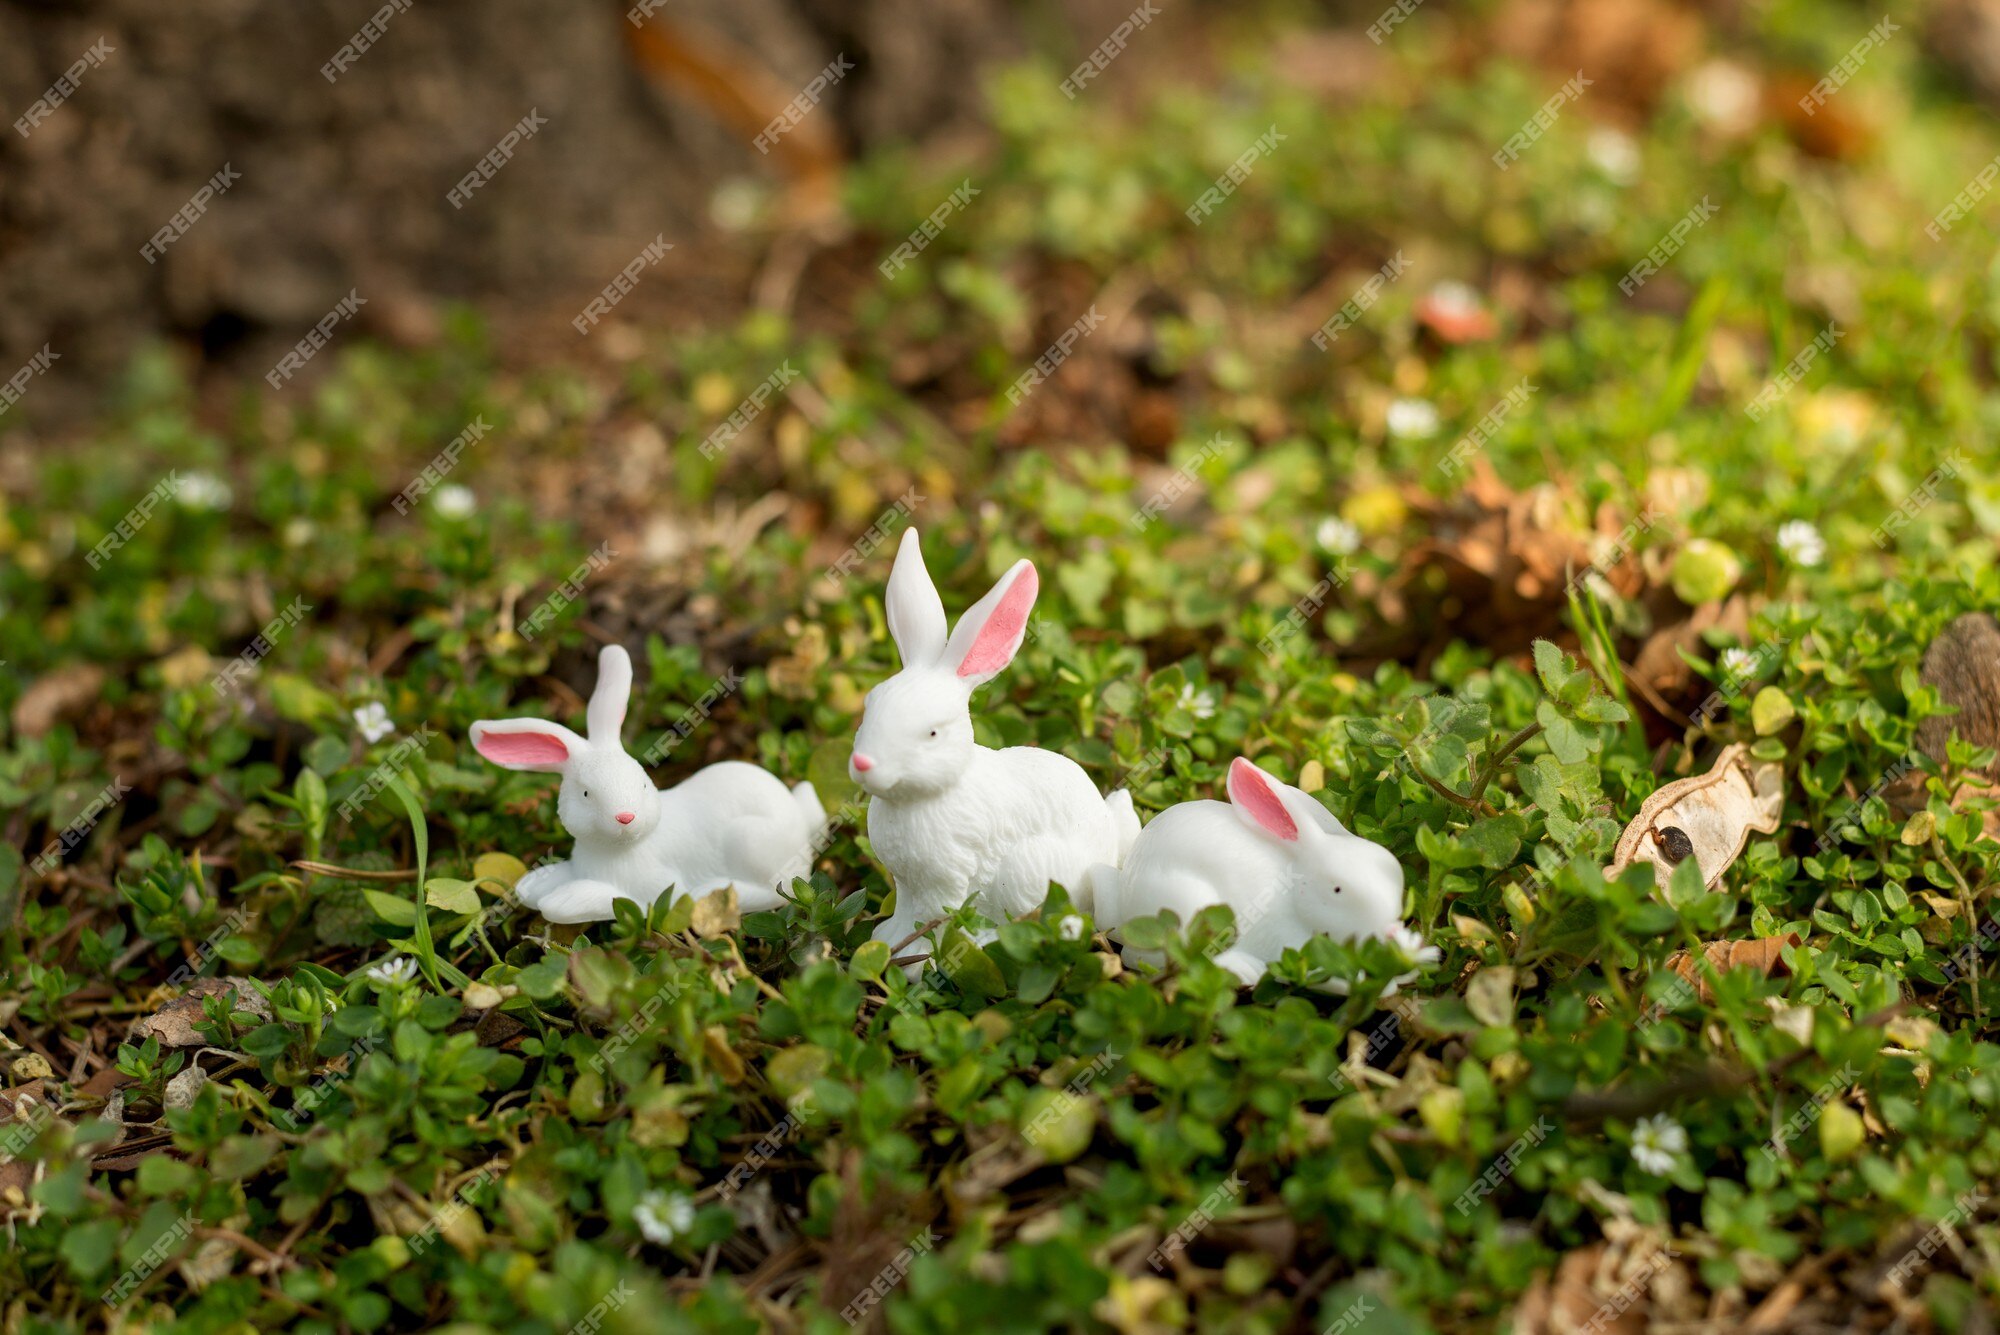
(582, 901)
(764, 853)
(1184, 893)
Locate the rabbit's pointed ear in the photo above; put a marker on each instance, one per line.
(606, 715)
(527, 743)
(916, 613)
(1259, 802)
(990, 633)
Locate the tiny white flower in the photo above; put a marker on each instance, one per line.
(1198, 703)
(1413, 419)
(1737, 663)
(663, 1217)
(394, 971)
(373, 720)
(1615, 153)
(1069, 927)
(1339, 536)
(1413, 944)
(455, 502)
(298, 531)
(1801, 542)
(1656, 1142)
(204, 491)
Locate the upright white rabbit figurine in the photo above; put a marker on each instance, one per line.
(953, 820)
(1279, 859)
(728, 824)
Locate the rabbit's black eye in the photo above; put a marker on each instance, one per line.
(586, 792)
(1336, 889)
(933, 732)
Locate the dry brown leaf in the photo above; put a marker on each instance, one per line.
(716, 914)
(173, 1023)
(1586, 1294)
(1632, 50)
(1765, 954)
(61, 693)
(1659, 665)
(1497, 563)
(1708, 817)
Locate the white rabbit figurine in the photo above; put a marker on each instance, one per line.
(952, 820)
(728, 824)
(1279, 859)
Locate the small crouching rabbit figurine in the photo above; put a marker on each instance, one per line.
(1287, 868)
(728, 824)
(951, 820)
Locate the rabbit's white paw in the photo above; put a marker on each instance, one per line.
(540, 883)
(1247, 967)
(582, 901)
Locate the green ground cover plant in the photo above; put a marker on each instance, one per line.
(280, 1053)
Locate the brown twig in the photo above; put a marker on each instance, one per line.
(354, 873)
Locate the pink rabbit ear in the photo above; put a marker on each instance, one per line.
(1258, 802)
(990, 633)
(525, 743)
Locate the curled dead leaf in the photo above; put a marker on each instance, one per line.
(185, 1088)
(1765, 954)
(1707, 817)
(716, 914)
(173, 1023)
(1606, 1287)
(59, 694)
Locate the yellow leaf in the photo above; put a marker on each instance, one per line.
(715, 1043)
(502, 868)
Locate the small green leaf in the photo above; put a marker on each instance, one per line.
(1150, 933)
(450, 895)
(970, 969)
(392, 909)
(870, 958)
(1058, 1123)
(1772, 711)
(543, 980)
(1840, 1130)
(1549, 666)
(299, 700)
(673, 918)
(1705, 571)
(88, 1247)
(1036, 983)
(1442, 1109)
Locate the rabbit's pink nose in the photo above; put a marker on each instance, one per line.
(627, 817)
(862, 763)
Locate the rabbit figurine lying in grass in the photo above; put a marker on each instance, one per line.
(954, 821)
(728, 824)
(1279, 859)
